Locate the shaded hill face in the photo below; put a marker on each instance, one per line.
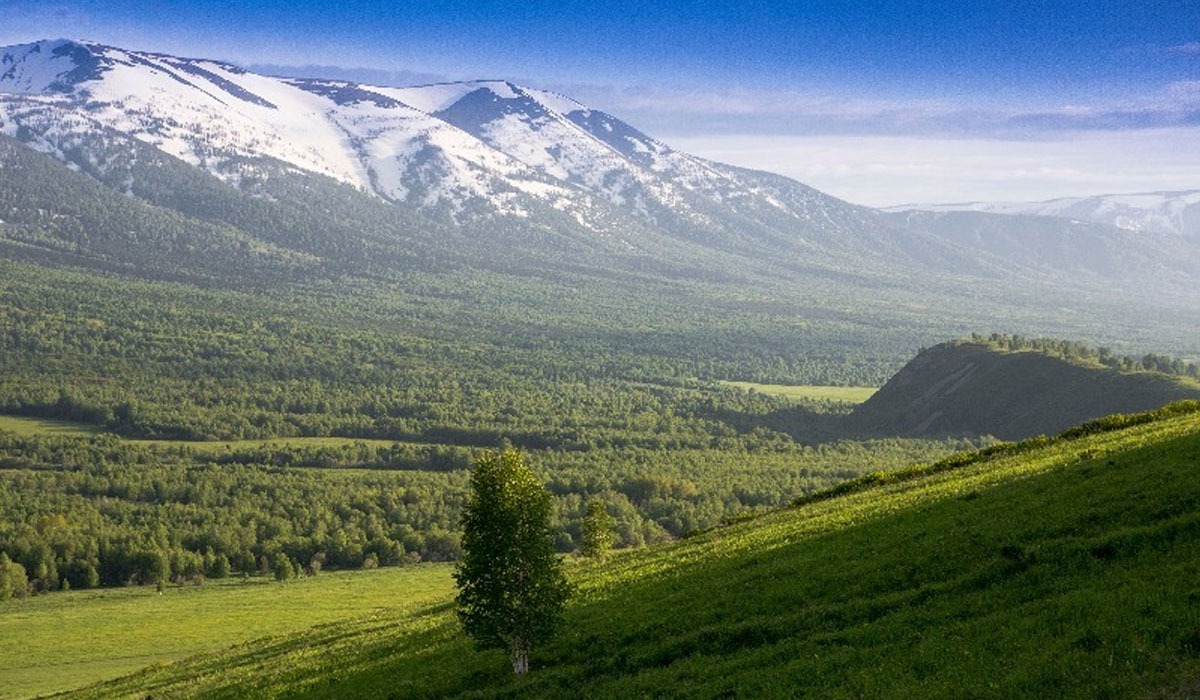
(973, 389)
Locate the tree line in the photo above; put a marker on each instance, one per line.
(83, 512)
(1082, 352)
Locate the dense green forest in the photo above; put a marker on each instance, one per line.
(166, 360)
(169, 360)
(83, 512)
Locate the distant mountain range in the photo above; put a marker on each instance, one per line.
(526, 172)
(1176, 213)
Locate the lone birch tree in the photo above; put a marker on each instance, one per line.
(511, 588)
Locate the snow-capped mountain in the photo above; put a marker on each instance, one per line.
(463, 150)
(1175, 213)
(216, 116)
(490, 158)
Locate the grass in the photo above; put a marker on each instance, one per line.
(218, 446)
(844, 394)
(1067, 570)
(56, 642)
(28, 427)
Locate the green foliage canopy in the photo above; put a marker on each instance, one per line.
(13, 581)
(597, 530)
(511, 585)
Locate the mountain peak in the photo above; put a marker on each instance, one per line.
(476, 152)
(48, 66)
(436, 97)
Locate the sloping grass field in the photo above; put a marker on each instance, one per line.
(1067, 568)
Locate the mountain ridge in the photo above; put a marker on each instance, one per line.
(1175, 212)
(351, 131)
(521, 165)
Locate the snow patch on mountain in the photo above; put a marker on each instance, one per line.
(555, 102)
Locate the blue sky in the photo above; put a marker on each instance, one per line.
(877, 102)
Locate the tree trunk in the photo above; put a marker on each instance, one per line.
(519, 655)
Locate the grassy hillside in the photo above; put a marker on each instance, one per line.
(1067, 568)
(969, 388)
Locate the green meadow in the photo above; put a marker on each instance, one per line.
(843, 394)
(55, 642)
(26, 427)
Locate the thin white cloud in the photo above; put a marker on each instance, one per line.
(1188, 48)
(709, 103)
(1184, 93)
(370, 76)
(686, 110)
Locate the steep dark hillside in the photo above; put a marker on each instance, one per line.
(965, 388)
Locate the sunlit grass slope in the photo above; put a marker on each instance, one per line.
(1067, 568)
